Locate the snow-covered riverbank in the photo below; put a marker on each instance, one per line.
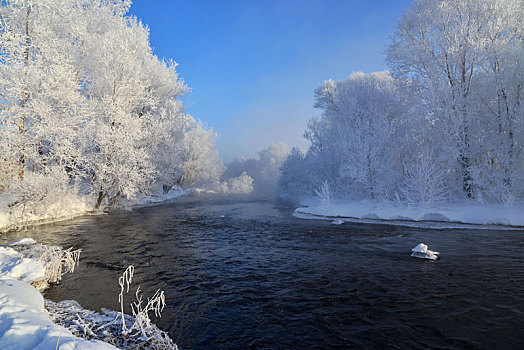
(446, 216)
(27, 321)
(24, 323)
(31, 213)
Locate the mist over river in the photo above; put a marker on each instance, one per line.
(241, 272)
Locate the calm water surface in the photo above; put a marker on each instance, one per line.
(243, 273)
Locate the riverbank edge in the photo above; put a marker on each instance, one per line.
(24, 322)
(7, 223)
(453, 216)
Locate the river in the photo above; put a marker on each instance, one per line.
(243, 273)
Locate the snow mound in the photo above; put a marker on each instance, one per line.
(24, 324)
(400, 218)
(433, 217)
(15, 214)
(23, 241)
(500, 221)
(14, 265)
(371, 216)
(422, 251)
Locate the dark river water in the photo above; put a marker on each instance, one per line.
(243, 273)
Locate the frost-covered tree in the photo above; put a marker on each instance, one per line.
(448, 126)
(461, 57)
(501, 91)
(40, 99)
(436, 47)
(84, 95)
(294, 181)
(194, 158)
(264, 169)
(361, 119)
(425, 180)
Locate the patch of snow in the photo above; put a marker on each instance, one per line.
(156, 197)
(23, 241)
(24, 324)
(338, 222)
(371, 216)
(14, 265)
(500, 221)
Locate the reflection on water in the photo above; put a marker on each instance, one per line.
(242, 273)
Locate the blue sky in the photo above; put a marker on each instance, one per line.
(252, 65)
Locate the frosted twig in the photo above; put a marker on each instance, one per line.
(125, 281)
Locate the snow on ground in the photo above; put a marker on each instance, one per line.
(156, 198)
(14, 266)
(13, 217)
(59, 208)
(24, 323)
(445, 216)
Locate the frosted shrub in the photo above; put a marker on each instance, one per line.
(323, 194)
(154, 304)
(116, 328)
(424, 181)
(56, 261)
(242, 184)
(140, 326)
(25, 195)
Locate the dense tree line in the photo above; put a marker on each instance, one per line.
(87, 106)
(445, 123)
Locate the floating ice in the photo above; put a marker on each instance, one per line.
(338, 222)
(422, 251)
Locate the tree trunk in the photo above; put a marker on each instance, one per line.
(113, 200)
(101, 196)
(24, 97)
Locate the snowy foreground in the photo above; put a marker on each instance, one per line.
(27, 321)
(448, 216)
(24, 323)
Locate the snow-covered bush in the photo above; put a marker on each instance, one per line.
(264, 169)
(242, 184)
(55, 260)
(324, 195)
(425, 180)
